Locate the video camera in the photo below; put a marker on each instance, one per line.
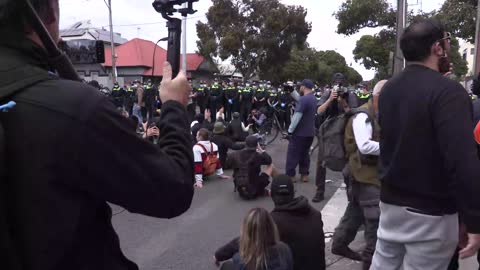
(167, 9)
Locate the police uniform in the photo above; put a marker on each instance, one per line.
(215, 98)
(151, 94)
(284, 115)
(260, 94)
(118, 94)
(201, 97)
(246, 102)
(231, 101)
(273, 102)
(129, 99)
(363, 98)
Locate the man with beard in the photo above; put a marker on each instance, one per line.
(301, 132)
(429, 165)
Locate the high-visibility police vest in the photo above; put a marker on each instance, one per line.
(272, 94)
(116, 88)
(364, 96)
(130, 89)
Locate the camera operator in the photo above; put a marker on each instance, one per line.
(334, 102)
(257, 119)
(69, 164)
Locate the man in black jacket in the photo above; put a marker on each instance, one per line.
(224, 143)
(64, 159)
(250, 181)
(299, 224)
(430, 168)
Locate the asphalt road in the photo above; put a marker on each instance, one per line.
(189, 242)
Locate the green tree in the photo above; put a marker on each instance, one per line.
(317, 65)
(256, 35)
(459, 17)
(374, 51)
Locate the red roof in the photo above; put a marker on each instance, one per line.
(139, 53)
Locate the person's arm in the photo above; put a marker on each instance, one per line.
(234, 146)
(325, 101)
(226, 252)
(245, 129)
(261, 119)
(297, 116)
(126, 170)
(219, 171)
(452, 119)
(363, 135)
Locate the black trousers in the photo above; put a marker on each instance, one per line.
(284, 118)
(245, 110)
(229, 110)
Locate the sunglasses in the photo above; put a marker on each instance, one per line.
(447, 38)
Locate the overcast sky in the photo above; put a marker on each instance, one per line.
(138, 19)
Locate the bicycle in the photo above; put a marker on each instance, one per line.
(271, 129)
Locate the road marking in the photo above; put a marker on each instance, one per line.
(333, 211)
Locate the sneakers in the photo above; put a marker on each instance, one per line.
(347, 253)
(199, 184)
(318, 197)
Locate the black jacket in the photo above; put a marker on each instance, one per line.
(429, 157)
(69, 153)
(301, 228)
(224, 143)
(279, 256)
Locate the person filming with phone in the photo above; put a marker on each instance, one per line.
(63, 170)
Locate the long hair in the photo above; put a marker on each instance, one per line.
(258, 234)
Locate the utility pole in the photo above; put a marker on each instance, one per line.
(112, 42)
(184, 40)
(476, 65)
(399, 60)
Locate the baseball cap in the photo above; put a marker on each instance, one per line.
(251, 141)
(282, 185)
(307, 83)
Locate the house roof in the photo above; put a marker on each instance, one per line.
(139, 53)
(80, 29)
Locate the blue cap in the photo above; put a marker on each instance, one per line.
(307, 83)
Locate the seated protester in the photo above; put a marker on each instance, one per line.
(224, 143)
(257, 119)
(238, 130)
(249, 181)
(201, 121)
(152, 133)
(299, 224)
(206, 158)
(259, 246)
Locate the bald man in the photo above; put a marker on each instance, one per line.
(362, 136)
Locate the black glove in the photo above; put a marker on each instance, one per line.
(287, 136)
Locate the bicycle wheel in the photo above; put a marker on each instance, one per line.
(272, 135)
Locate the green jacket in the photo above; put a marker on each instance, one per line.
(364, 168)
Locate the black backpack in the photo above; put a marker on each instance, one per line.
(9, 255)
(242, 180)
(332, 137)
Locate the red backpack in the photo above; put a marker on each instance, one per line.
(210, 162)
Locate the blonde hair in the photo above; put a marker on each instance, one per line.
(258, 234)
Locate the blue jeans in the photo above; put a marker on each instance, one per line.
(298, 154)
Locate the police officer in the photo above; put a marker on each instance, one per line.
(58, 186)
(231, 100)
(191, 103)
(216, 99)
(118, 95)
(260, 98)
(272, 101)
(246, 101)
(151, 97)
(201, 96)
(129, 98)
(284, 107)
(363, 95)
